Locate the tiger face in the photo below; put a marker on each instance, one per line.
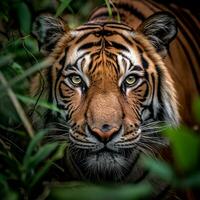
(113, 89)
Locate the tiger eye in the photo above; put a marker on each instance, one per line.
(130, 80)
(76, 79)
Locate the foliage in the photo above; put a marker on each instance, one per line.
(28, 168)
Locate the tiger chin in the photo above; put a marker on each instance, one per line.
(114, 91)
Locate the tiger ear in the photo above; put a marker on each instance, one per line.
(48, 30)
(160, 29)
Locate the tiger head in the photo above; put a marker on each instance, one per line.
(113, 88)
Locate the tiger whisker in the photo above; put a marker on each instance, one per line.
(154, 127)
(156, 142)
(152, 133)
(154, 122)
(56, 129)
(64, 124)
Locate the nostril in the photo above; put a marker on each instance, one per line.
(106, 127)
(106, 135)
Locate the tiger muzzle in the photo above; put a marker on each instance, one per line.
(104, 117)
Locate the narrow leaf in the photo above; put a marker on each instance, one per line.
(159, 168)
(90, 192)
(63, 5)
(24, 17)
(42, 103)
(31, 147)
(42, 154)
(39, 174)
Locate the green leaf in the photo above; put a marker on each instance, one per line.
(6, 60)
(10, 195)
(60, 152)
(24, 17)
(42, 103)
(91, 192)
(3, 182)
(109, 8)
(11, 130)
(31, 147)
(63, 5)
(42, 154)
(57, 155)
(40, 173)
(185, 146)
(17, 68)
(159, 168)
(31, 45)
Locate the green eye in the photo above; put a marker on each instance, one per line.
(130, 80)
(75, 79)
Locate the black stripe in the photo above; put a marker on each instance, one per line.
(137, 68)
(193, 24)
(195, 75)
(189, 40)
(188, 23)
(103, 32)
(94, 68)
(90, 65)
(60, 90)
(124, 37)
(85, 35)
(87, 27)
(146, 92)
(70, 110)
(104, 14)
(119, 46)
(140, 85)
(159, 89)
(126, 7)
(125, 57)
(120, 26)
(61, 107)
(151, 109)
(59, 74)
(82, 56)
(161, 112)
(151, 7)
(145, 64)
(139, 49)
(89, 45)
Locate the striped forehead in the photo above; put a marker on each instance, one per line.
(103, 43)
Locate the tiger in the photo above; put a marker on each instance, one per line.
(118, 80)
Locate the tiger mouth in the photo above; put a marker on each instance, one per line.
(106, 158)
(105, 149)
(104, 165)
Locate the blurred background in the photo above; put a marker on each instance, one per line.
(30, 169)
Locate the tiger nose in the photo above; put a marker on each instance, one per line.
(105, 132)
